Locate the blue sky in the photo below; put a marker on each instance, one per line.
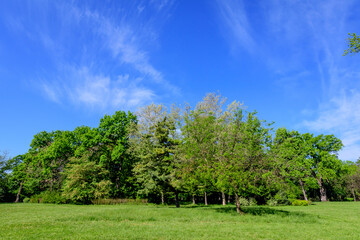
(68, 63)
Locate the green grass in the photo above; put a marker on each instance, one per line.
(331, 220)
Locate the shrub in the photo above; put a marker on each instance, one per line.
(53, 197)
(301, 203)
(349, 199)
(282, 198)
(243, 201)
(48, 197)
(252, 202)
(35, 198)
(26, 200)
(272, 202)
(119, 201)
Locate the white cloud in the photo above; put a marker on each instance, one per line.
(91, 49)
(125, 45)
(341, 116)
(98, 91)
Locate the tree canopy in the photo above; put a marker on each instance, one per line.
(212, 152)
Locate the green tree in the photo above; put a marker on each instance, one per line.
(154, 142)
(201, 131)
(6, 165)
(113, 140)
(85, 181)
(325, 165)
(352, 178)
(199, 150)
(290, 150)
(246, 168)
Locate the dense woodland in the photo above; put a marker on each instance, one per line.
(210, 153)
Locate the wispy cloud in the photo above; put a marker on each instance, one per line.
(92, 48)
(97, 91)
(340, 116)
(235, 19)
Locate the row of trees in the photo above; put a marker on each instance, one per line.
(212, 152)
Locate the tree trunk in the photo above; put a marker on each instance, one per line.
(51, 184)
(162, 198)
(353, 193)
(223, 198)
(117, 183)
(205, 198)
(177, 199)
(193, 199)
(237, 202)
(229, 199)
(323, 196)
(303, 189)
(18, 194)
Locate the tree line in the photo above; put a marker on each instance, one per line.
(213, 153)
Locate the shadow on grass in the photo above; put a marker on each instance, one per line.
(252, 210)
(199, 206)
(256, 210)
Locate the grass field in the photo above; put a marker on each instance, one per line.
(331, 220)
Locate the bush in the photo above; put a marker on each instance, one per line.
(252, 202)
(272, 202)
(243, 201)
(36, 198)
(48, 197)
(26, 200)
(53, 197)
(349, 199)
(301, 203)
(119, 201)
(282, 198)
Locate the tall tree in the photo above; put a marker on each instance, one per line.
(322, 150)
(154, 142)
(6, 165)
(113, 141)
(352, 178)
(245, 167)
(201, 131)
(290, 150)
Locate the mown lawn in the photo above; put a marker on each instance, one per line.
(332, 220)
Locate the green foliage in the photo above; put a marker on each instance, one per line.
(115, 157)
(85, 181)
(272, 202)
(353, 44)
(161, 154)
(247, 202)
(243, 201)
(47, 197)
(119, 201)
(301, 203)
(154, 143)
